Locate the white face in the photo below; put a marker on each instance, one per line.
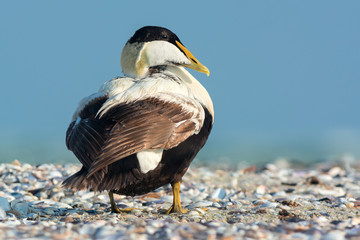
(129, 56)
(136, 58)
(163, 53)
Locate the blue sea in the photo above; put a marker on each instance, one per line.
(231, 152)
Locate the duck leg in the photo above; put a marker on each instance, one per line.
(176, 206)
(114, 208)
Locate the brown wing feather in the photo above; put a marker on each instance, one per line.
(147, 124)
(86, 137)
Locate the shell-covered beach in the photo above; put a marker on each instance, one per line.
(270, 202)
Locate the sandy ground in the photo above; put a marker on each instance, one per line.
(271, 202)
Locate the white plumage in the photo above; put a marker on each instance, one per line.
(142, 131)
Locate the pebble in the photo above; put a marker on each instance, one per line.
(217, 205)
(274, 203)
(32, 216)
(2, 213)
(19, 207)
(201, 204)
(4, 204)
(336, 171)
(269, 205)
(193, 213)
(261, 190)
(333, 235)
(219, 193)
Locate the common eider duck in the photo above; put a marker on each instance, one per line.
(141, 131)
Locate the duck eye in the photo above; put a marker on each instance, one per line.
(164, 36)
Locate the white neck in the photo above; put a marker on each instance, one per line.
(137, 58)
(197, 90)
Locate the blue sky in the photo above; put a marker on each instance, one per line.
(285, 75)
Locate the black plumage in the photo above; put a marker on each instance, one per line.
(108, 133)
